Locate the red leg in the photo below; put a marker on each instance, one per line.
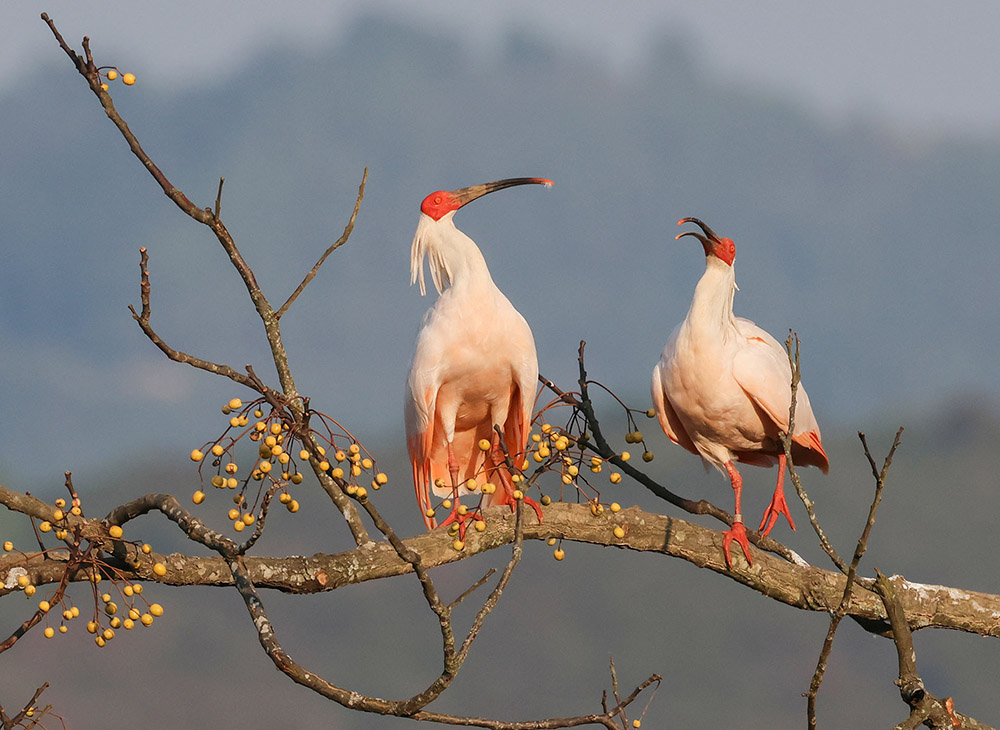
(737, 532)
(778, 504)
(500, 469)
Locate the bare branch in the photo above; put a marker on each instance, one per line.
(348, 229)
(142, 319)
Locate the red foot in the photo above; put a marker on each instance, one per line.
(460, 519)
(509, 500)
(738, 533)
(777, 508)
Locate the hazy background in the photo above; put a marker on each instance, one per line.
(853, 155)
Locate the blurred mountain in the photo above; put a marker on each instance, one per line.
(878, 248)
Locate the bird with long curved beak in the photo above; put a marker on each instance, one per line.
(474, 368)
(722, 389)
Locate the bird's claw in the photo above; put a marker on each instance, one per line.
(738, 533)
(774, 510)
(461, 520)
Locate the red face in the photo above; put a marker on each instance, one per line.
(723, 249)
(437, 204)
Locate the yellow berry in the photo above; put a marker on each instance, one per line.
(536, 438)
(546, 428)
(615, 507)
(29, 590)
(108, 634)
(567, 479)
(58, 515)
(472, 485)
(324, 465)
(137, 588)
(116, 623)
(128, 624)
(285, 498)
(63, 628)
(235, 404)
(49, 632)
(76, 511)
(381, 479)
(462, 509)
(293, 506)
(111, 608)
(480, 525)
(115, 531)
(234, 514)
(573, 470)
(8, 546)
(68, 615)
(106, 597)
(296, 478)
(458, 545)
(128, 79)
(156, 609)
(232, 468)
(647, 456)
(366, 463)
(112, 74)
(596, 508)
(100, 641)
(248, 519)
(619, 532)
(147, 548)
(239, 526)
(429, 512)
(265, 467)
(636, 723)
(217, 450)
(546, 500)
(61, 534)
(446, 504)
(355, 470)
(559, 554)
(160, 569)
(104, 87)
(232, 482)
(517, 494)
(516, 478)
(615, 477)
(92, 627)
(198, 497)
(196, 455)
(484, 444)
(146, 619)
(45, 526)
(551, 541)
(626, 456)
(44, 606)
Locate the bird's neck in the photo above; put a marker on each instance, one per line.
(711, 311)
(454, 259)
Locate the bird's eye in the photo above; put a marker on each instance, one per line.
(437, 200)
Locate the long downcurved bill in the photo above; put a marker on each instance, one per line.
(463, 196)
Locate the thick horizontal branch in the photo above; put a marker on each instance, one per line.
(805, 587)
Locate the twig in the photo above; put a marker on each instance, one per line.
(348, 229)
(142, 318)
(859, 552)
(786, 442)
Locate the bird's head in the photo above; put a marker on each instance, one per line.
(722, 248)
(438, 204)
(437, 238)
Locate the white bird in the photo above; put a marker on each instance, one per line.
(474, 367)
(722, 389)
